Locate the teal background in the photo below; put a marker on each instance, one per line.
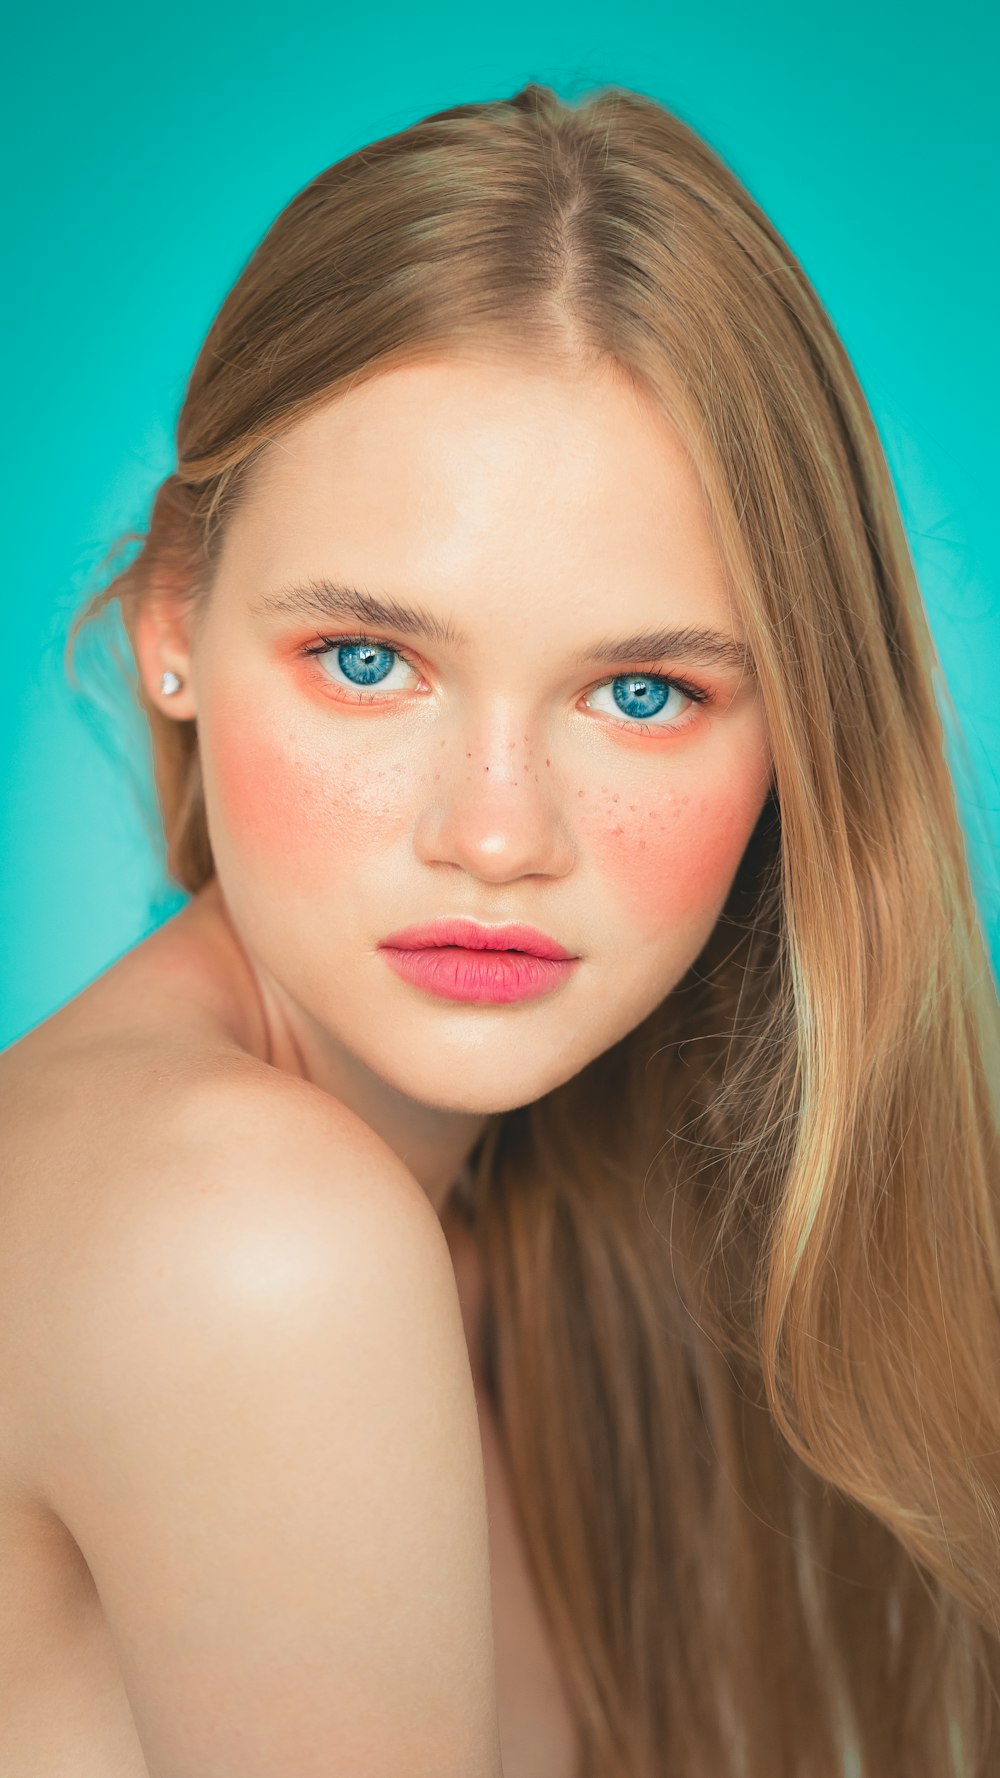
(148, 150)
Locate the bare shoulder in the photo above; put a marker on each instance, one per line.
(260, 1429)
(263, 1198)
(132, 1178)
(261, 1207)
(91, 1105)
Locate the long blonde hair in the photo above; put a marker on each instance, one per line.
(743, 1271)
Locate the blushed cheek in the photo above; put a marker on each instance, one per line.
(670, 862)
(290, 811)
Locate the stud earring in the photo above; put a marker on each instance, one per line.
(169, 683)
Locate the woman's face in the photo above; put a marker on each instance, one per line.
(503, 754)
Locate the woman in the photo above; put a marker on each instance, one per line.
(418, 1349)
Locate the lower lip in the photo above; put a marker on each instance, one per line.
(492, 976)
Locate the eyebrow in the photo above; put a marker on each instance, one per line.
(339, 599)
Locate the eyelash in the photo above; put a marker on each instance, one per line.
(697, 694)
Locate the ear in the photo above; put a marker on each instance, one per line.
(161, 642)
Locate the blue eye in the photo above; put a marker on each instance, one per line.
(644, 695)
(366, 661)
(362, 659)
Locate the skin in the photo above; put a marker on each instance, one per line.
(537, 512)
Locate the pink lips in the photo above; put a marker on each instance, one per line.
(471, 935)
(463, 960)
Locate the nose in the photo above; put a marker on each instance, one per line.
(495, 808)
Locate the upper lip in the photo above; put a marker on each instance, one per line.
(473, 935)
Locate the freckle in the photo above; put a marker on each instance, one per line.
(631, 808)
(579, 793)
(614, 799)
(548, 762)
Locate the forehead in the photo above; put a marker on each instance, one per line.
(429, 475)
(473, 415)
